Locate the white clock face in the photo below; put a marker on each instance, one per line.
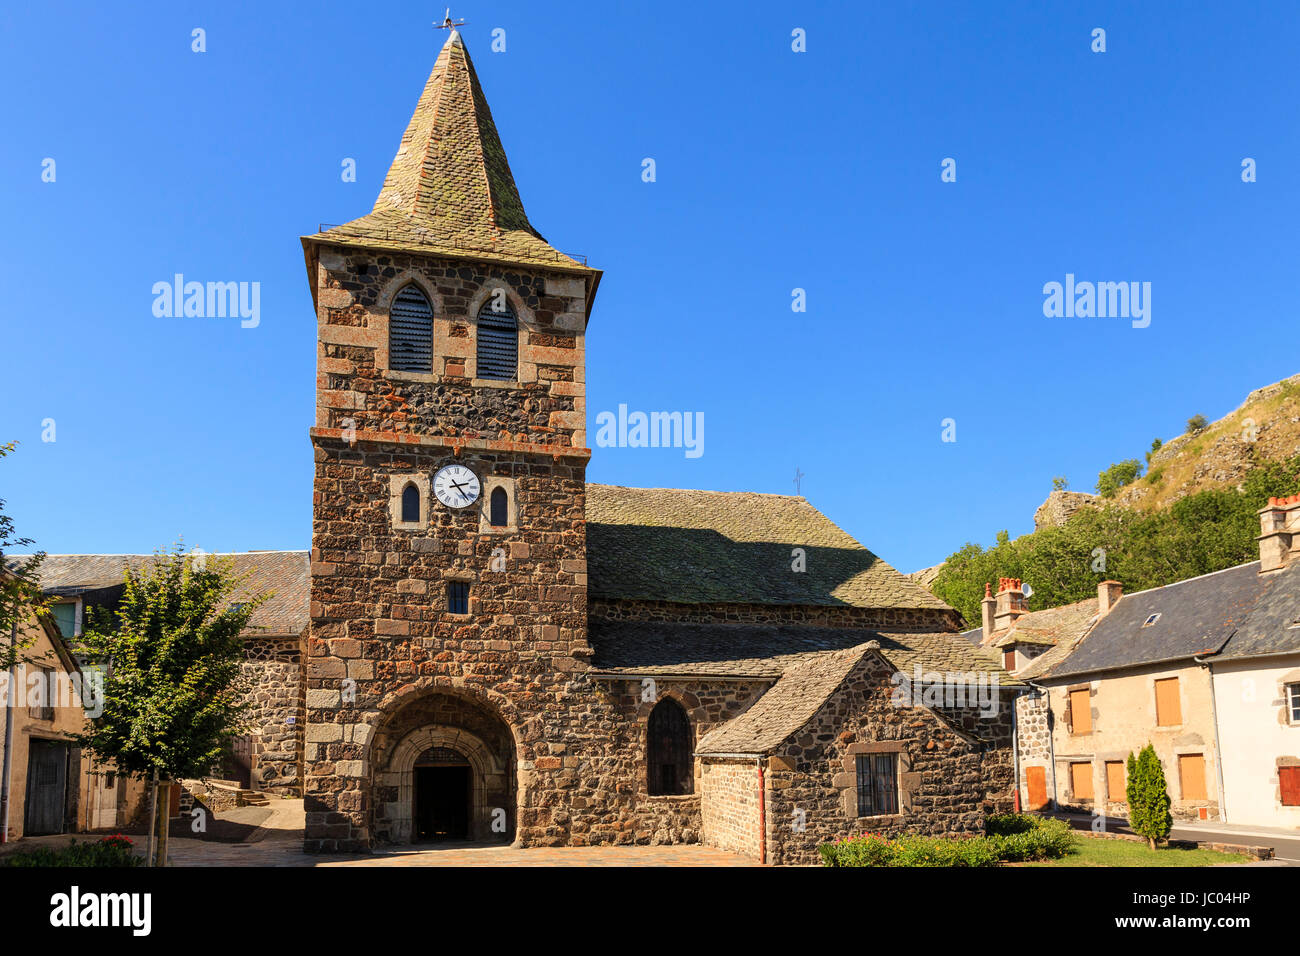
(456, 486)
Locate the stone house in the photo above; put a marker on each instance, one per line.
(1203, 669)
(1256, 685)
(268, 756)
(49, 787)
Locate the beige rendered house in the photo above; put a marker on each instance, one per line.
(49, 788)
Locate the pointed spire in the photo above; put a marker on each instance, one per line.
(450, 189)
(451, 172)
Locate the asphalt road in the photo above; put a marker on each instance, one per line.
(1286, 848)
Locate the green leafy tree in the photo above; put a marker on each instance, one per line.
(1117, 476)
(173, 696)
(1196, 424)
(20, 588)
(1148, 797)
(1156, 444)
(1207, 531)
(1060, 483)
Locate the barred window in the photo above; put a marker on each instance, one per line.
(410, 332)
(458, 597)
(498, 340)
(670, 769)
(1293, 702)
(877, 784)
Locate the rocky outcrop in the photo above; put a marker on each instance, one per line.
(1059, 507)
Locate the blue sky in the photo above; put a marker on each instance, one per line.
(776, 170)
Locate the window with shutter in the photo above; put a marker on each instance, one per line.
(1080, 712)
(1115, 790)
(498, 341)
(1191, 774)
(1289, 778)
(410, 332)
(1081, 780)
(1169, 711)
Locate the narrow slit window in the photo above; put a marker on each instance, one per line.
(410, 332)
(498, 340)
(499, 508)
(458, 597)
(410, 503)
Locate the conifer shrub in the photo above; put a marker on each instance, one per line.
(1148, 797)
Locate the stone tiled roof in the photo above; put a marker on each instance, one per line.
(786, 707)
(449, 190)
(766, 651)
(283, 572)
(1196, 617)
(1049, 626)
(699, 547)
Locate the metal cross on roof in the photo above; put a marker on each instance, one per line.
(798, 478)
(448, 23)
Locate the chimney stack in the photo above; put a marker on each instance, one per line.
(1108, 595)
(1279, 533)
(1009, 604)
(988, 604)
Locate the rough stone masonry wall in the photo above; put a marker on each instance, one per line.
(812, 782)
(729, 790)
(273, 670)
(1034, 740)
(356, 388)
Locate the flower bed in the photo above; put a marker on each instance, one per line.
(1011, 838)
(112, 851)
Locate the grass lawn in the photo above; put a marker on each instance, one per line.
(1100, 851)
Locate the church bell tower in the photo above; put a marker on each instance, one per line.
(448, 571)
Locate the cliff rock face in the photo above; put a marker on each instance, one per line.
(1059, 507)
(1266, 427)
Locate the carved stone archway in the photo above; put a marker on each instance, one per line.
(489, 781)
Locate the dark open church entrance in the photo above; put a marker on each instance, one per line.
(443, 793)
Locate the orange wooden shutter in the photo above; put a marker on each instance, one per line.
(1168, 711)
(1081, 780)
(1191, 771)
(1036, 778)
(1289, 778)
(1080, 712)
(1115, 781)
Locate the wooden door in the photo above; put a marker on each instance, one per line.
(1036, 778)
(47, 791)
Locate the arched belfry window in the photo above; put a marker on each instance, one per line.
(499, 508)
(668, 750)
(410, 332)
(498, 339)
(410, 503)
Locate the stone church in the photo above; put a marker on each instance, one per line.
(493, 649)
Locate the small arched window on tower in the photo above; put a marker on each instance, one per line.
(499, 508)
(670, 769)
(498, 339)
(410, 503)
(410, 332)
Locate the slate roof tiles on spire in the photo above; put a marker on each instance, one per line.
(450, 188)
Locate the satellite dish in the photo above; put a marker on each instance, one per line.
(1026, 590)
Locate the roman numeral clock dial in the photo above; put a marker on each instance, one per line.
(456, 486)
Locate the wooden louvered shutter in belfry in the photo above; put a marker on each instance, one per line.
(410, 332)
(498, 343)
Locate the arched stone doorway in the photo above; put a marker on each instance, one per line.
(444, 770)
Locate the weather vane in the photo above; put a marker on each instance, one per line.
(448, 23)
